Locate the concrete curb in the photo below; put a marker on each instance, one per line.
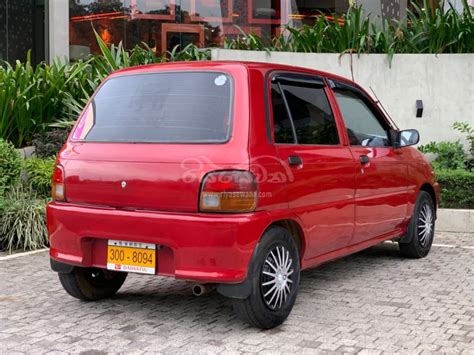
(21, 254)
(453, 220)
(26, 152)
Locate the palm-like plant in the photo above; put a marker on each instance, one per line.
(423, 31)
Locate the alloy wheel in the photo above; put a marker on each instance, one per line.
(425, 225)
(276, 279)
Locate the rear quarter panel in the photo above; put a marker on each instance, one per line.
(264, 161)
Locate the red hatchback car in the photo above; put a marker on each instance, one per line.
(235, 176)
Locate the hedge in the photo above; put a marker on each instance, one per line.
(457, 188)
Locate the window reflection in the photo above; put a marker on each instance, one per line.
(152, 9)
(211, 10)
(163, 24)
(108, 18)
(266, 11)
(178, 35)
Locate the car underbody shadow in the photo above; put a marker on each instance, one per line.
(365, 262)
(157, 299)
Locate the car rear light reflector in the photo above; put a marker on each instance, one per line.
(58, 192)
(229, 191)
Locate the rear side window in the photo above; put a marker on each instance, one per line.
(184, 107)
(281, 120)
(312, 117)
(306, 114)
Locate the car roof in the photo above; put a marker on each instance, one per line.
(222, 64)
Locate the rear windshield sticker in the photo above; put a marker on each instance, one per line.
(220, 80)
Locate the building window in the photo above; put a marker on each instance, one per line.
(211, 10)
(164, 24)
(267, 11)
(152, 10)
(178, 35)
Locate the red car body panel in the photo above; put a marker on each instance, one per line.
(336, 205)
(193, 246)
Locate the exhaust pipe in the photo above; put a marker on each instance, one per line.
(202, 289)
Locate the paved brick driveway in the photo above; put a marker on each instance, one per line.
(370, 302)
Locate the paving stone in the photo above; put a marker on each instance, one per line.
(373, 302)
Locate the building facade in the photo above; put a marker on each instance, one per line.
(23, 30)
(164, 24)
(65, 28)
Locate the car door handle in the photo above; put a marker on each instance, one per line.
(364, 159)
(294, 160)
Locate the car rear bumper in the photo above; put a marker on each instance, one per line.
(200, 247)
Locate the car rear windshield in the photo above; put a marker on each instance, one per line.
(184, 107)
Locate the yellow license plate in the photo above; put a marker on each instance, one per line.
(131, 257)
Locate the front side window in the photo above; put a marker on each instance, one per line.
(363, 126)
(306, 113)
(184, 107)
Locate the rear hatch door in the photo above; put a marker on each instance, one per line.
(146, 141)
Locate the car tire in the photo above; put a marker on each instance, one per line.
(274, 274)
(92, 284)
(421, 228)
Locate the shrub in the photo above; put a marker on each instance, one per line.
(457, 188)
(3, 201)
(32, 97)
(425, 30)
(22, 212)
(466, 128)
(39, 172)
(449, 155)
(23, 221)
(437, 30)
(115, 57)
(10, 164)
(48, 144)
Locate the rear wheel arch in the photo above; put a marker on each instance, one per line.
(295, 231)
(276, 261)
(242, 290)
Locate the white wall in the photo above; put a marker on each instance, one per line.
(445, 83)
(457, 4)
(58, 23)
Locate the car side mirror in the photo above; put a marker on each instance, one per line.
(406, 138)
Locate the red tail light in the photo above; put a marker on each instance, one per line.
(228, 191)
(58, 191)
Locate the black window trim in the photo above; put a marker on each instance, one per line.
(298, 79)
(119, 75)
(287, 107)
(284, 75)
